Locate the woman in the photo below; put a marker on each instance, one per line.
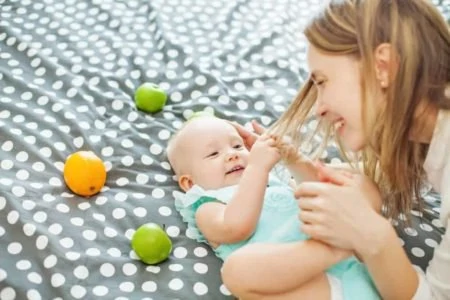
(380, 84)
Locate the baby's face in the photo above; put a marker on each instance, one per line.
(214, 153)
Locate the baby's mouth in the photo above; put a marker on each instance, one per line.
(235, 169)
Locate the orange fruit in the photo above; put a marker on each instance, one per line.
(84, 173)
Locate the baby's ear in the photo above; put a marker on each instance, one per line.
(185, 182)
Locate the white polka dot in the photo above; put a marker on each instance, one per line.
(107, 270)
(22, 175)
(431, 243)
(114, 252)
(417, 252)
(122, 181)
(200, 289)
(129, 269)
(140, 212)
(100, 290)
(99, 217)
(78, 142)
(34, 278)
(411, 231)
(2, 202)
(38, 166)
(77, 221)
(146, 160)
(3, 275)
(89, 235)
(107, 151)
(7, 146)
(93, 252)
(73, 256)
(426, 227)
(50, 261)
(40, 217)
(158, 193)
(41, 242)
(142, 178)
(119, 213)
(66, 242)
(14, 248)
(57, 280)
(117, 105)
(176, 284)
(6, 164)
(77, 291)
(127, 287)
(127, 160)
(180, 252)
(224, 290)
(29, 229)
(22, 156)
(126, 143)
(173, 231)
(84, 206)
(110, 232)
(13, 217)
(55, 229)
(8, 293)
(23, 265)
(200, 252)
(18, 191)
(33, 295)
(149, 286)
(200, 268)
(81, 272)
(165, 211)
(176, 267)
(156, 149)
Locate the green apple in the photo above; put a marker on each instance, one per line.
(151, 243)
(150, 97)
(199, 114)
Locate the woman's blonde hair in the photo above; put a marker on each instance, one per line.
(420, 38)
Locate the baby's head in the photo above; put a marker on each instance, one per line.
(208, 152)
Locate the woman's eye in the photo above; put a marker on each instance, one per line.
(320, 82)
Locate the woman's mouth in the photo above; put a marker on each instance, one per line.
(338, 126)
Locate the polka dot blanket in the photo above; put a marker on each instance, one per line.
(68, 72)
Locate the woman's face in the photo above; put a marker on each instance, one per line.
(337, 78)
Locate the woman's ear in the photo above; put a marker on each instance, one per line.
(185, 182)
(385, 64)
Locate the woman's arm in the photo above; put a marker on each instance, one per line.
(387, 262)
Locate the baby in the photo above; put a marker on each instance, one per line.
(231, 200)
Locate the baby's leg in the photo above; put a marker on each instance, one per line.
(317, 288)
(276, 268)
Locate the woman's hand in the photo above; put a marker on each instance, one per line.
(341, 211)
(248, 136)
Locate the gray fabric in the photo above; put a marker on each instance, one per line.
(68, 71)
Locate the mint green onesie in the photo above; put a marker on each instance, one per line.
(278, 223)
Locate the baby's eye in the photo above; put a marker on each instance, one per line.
(239, 146)
(213, 154)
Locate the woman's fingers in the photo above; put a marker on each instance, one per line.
(311, 189)
(248, 136)
(327, 174)
(257, 127)
(309, 216)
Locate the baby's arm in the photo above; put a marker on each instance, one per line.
(237, 220)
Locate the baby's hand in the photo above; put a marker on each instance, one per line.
(265, 152)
